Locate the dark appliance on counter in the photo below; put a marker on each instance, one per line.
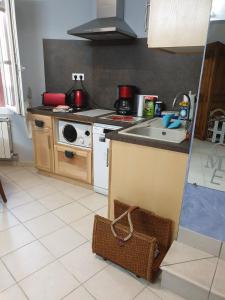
(125, 103)
(54, 99)
(77, 97)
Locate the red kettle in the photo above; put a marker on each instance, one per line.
(76, 98)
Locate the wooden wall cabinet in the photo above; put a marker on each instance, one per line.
(148, 177)
(178, 23)
(43, 142)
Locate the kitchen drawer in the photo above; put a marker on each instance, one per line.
(41, 121)
(73, 162)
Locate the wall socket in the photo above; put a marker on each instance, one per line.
(78, 76)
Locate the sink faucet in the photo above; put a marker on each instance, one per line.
(177, 97)
(184, 110)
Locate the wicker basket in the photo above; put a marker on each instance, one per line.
(132, 242)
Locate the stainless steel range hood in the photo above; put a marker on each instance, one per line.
(109, 25)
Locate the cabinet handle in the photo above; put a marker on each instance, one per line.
(107, 158)
(102, 139)
(147, 14)
(49, 143)
(39, 123)
(69, 154)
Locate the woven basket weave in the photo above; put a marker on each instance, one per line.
(137, 254)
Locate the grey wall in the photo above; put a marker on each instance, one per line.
(39, 19)
(108, 64)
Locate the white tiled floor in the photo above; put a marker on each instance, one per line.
(45, 244)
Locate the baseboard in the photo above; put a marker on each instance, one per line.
(17, 163)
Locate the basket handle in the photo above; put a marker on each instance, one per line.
(128, 213)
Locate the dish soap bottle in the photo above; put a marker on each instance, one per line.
(184, 108)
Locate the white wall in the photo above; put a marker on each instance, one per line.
(40, 19)
(135, 16)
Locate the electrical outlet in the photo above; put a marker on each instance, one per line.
(78, 76)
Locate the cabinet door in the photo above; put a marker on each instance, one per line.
(73, 162)
(178, 23)
(43, 149)
(42, 142)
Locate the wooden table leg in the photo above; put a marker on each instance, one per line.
(2, 193)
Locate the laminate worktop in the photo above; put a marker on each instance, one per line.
(114, 135)
(183, 147)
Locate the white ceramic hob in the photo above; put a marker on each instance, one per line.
(94, 112)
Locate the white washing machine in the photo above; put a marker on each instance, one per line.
(74, 134)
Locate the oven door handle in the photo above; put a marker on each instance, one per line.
(69, 154)
(102, 139)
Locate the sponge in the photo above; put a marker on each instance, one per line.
(167, 119)
(175, 124)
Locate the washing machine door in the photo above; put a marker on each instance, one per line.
(69, 133)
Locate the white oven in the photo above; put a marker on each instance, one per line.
(74, 133)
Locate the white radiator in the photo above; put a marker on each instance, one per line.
(6, 151)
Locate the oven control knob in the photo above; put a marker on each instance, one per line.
(87, 133)
(81, 141)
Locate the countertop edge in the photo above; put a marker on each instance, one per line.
(183, 147)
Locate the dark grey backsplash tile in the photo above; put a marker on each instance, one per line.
(108, 64)
(64, 57)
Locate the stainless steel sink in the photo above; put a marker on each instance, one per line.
(154, 129)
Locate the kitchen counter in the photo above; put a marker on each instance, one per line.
(40, 110)
(183, 147)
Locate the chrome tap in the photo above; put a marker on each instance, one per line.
(177, 97)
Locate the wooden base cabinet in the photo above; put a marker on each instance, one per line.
(148, 177)
(43, 142)
(73, 162)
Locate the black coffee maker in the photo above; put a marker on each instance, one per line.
(124, 105)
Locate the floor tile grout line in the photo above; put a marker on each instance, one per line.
(214, 275)
(11, 252)
(66, 224)
(139, 293)
(10, 209)
(191, 260)
(77, 200)
(80, 286)
(23, 221)
(38, 269)
(87, 241)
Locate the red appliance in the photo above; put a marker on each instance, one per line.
(124, 105)
(126, 91)
(53, 99)
(79, 99)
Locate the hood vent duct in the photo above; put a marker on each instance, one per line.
(109, 25)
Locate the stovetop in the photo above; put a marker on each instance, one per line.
(121, 118)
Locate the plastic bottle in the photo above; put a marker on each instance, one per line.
(149, 106)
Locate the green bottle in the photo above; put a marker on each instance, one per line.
(149, 106)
